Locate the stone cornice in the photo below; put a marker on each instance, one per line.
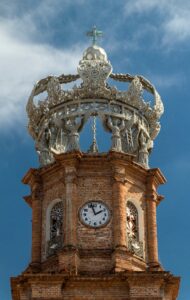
(160, 278)
(151, 177)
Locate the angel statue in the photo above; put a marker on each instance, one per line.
(143, 149)
(61, 141)
(42, 147)
(72, 127)
(116, 127)
(128, 144)
(53, 134)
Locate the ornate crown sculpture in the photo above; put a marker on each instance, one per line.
(55, 122)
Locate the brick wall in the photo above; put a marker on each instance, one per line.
(113, 179)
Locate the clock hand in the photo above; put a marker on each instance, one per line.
(96, 213)
(92, 206)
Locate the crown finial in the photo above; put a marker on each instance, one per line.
(95, 34)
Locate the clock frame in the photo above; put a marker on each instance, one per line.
(94, 214)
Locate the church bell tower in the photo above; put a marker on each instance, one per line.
(94, 228)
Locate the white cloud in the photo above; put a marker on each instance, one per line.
(177, 29)
(22, 62)
(166, 80)
(174, 17)
(140, 6)
(25, 57)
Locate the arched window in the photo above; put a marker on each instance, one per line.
(134, 245)
(55, 228)
(132, 221)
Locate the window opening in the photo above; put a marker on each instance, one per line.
(134, 245)
(56, 228)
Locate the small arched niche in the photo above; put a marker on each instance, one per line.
(54, 227)
(134, 231)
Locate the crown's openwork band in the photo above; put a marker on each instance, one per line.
(55, 122)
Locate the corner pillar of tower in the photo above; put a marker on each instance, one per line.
(68, 257)
(33, 178)
(154, 179)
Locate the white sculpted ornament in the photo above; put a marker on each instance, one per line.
(54, 90)
(143, 149)
(73, 127)
(42, 147)
(94, 68)
(116, 128)
(56, 121)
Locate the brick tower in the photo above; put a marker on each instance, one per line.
(94, 231)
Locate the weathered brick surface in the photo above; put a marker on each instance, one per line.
(126, 286)
(123, 260)
(76, 179)
(145, 291)
(42, 291)
(94, 188)
(93, 179)
(96, 265)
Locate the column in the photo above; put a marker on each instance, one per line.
(152, 242)
(70, 206)
(68, 258)
(119, 212)
(36, 223)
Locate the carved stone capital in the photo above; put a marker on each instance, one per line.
(118, 178)
(153, 196)
(70, 174)
(71, 178)
(37, 192)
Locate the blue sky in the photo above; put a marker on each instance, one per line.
(147, 37)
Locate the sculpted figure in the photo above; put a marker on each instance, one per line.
(62, 140)
(42, 147)
(73, 128)
(128, 138)
(145, 143)
(143, 149)
(116, 128)
(61, 136)
(53, 130)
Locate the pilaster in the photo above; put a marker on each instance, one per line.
(68, 257)
(119, 207)
(119, 218)
(154, 178)
(37, 194)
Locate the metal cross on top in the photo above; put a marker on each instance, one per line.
(95, 34)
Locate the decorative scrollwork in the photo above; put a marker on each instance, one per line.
(135, 247)
(56, 121)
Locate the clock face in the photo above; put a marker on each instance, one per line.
(95, 214)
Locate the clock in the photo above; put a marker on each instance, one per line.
(94, 214)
